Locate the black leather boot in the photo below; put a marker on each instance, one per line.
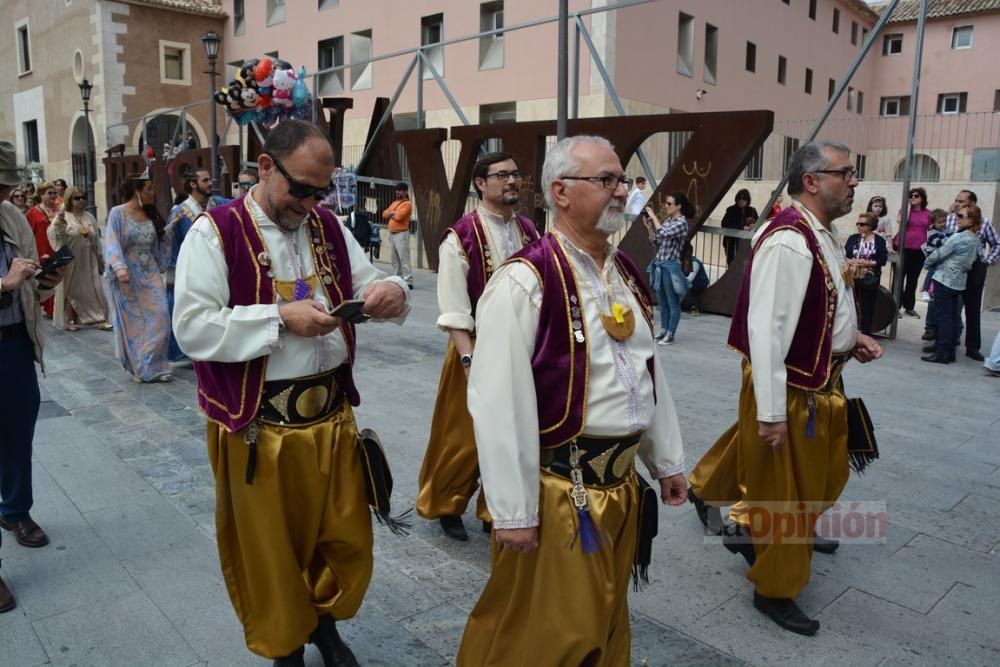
(738, 542)
(823, 545)
(785, 613)
(295, 659)
(453, 527)
(333, 649)
(699, 507)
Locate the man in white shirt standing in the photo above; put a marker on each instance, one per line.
(471, 248)
(796, 325)
(636, 198)
(564, 393)
(258, 279)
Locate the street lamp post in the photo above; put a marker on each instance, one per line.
(85, 89)
(211, 40)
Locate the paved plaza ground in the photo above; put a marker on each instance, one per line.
(131, 578)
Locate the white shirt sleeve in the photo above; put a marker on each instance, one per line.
(501, 396)
(661, 448)
(452, 286)
(207, 329)
(778, 281)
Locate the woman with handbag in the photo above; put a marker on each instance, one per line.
(866, 254)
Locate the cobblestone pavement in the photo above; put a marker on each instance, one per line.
(124, 488)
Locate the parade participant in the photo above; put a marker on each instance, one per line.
(796, 325)
(198, 186)
(257, 279)
(471, 248)
(566, 386)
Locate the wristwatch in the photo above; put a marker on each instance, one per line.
(465, 360)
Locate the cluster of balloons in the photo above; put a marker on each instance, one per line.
(266, 91)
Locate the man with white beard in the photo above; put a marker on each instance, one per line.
(566, 391)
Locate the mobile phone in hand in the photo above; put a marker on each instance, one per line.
(60, 258)
(350, 311)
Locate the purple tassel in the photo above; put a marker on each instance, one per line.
(590, 539)
(302, 290)
(811, 424)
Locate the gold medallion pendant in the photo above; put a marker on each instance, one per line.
(620, 324)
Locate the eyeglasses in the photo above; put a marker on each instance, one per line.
(863, 224)
(79, 198)
(51, 193)
(914, 195)
(847, 173)
(246, 185)
(17, 196)
(300, 190)
(504, 176)
(609, 182)
(671, 203)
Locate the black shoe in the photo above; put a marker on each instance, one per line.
(487, 527)
(974, 354)
(938, 359)
(929, 335)
(926, 349)
(454, 528)
(785, 613)
(295, 659)
(738, 542)
(913, 313)
(333, 649)
(699, 507)
(823, 545)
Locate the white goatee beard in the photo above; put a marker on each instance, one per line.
(610, 221)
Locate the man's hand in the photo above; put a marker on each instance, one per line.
(866, 349)
(517, 539)
(21, 268)
(773, 433)
(307, 318)
(51, 280)
(674, 490)
(384, 300)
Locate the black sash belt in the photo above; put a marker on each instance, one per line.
(604, 461)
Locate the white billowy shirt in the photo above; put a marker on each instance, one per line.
(778, 280)
(207, 329)
(502, 392)
(504, 239)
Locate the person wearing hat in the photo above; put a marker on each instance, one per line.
(20, 348)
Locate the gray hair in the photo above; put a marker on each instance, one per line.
(809, 159)
(559, 162)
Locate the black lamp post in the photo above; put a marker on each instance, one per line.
(212, 40)
(85, 89)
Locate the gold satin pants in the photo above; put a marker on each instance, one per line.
(449, 475)
(800, 481)
(298, 541)
(556, 605)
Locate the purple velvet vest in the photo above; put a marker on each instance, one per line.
(229, 393)
(808, 360)
(473, 239)
(560, 361)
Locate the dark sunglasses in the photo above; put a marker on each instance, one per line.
(246, 185)
(17, 197)
(79, 198)
(914, 194)
(863, 224)
(300, 190)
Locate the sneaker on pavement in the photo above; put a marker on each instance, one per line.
(660, 336)
(666, 340)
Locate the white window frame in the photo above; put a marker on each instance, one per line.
(685, 44)
(955, 33)
(26, 26)
(956, 98)
(885, 105)
(240, 20)
(363, 74)
(891, 39)
(185, 65)
(275, 12)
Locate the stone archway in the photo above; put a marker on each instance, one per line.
(78, 151)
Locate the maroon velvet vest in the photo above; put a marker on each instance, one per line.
(473, 239)
(229, 393)
(808, 360)
(560, 361)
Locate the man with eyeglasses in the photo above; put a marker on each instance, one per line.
(785, 461)
(564, 393)
(397, 217)
(972, 296)
(472, 248)
(257, 281)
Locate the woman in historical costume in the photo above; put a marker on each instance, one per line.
(40, 216)
(137, 251)
(82, 299)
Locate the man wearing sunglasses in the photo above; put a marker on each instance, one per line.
(257, 280)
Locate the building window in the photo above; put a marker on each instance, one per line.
(711, 53)
(925, 169)
(961, 37)
(239, 17)
(812, 9)
(782, 66)
(685, 45)
(864, 34)
(836, 21)
(894, 106)
(996, 101)
(861, 103)
(809, 81)
(755, 167)
(952, 103)
(496, 114)
(861, 165)
(850, 98)
(328, 4)
(175, 63)
(892, 44)
(751, 57)
(831, 89)
(491, 46)
(431, 33)
(330, 53)
(361, 55)
(854, 33)
(23, 48)
(791, 145)
(31, 152)
(275, 12)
